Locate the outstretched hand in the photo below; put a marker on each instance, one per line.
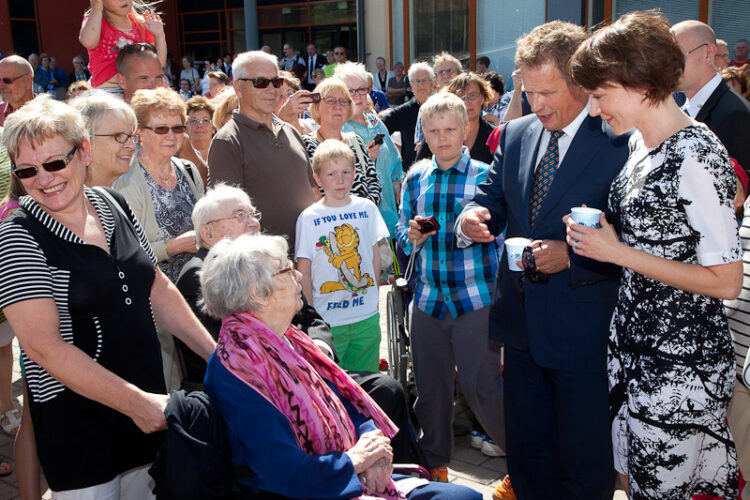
(153, 23)
(474, 227)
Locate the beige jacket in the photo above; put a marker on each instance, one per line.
(134, 188)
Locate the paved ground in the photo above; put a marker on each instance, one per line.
(468, 467)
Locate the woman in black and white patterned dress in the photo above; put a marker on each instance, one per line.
(670, 355)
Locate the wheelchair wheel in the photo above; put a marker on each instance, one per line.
(398, 355)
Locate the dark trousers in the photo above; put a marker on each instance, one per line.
(558, 433)
(389, 395)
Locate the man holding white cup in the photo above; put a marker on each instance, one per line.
(553, 316)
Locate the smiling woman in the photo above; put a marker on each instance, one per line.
(80, 288)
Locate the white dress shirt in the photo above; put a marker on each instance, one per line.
(694, 105)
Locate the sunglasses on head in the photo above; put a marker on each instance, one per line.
(8, 81)
(50, 166)
(164, 130)
(138, 47)
(529, 265)
(262, 83)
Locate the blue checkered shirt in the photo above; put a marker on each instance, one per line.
(450, 279)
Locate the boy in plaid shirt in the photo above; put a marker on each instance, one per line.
(450, 312)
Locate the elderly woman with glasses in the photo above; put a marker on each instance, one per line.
(80, 288)
(476, 93)
(111, 126)
(303, 427)
(367, 126)
(200, 129)
(332, 112)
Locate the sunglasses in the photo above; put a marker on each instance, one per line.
(8, 81)
(50, 166)
(529, 265)
(262, 83)
(138, 47)
(164, 130)
(121, 137)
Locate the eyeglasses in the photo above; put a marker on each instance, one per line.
(471, 97)
(138, 47)
(288, 269)
(121, 137)
(360, 91)
(529, 265)
(421, 81)
(698, 47)
(195, 122)
(241, 216)
(444, 72)
(8, 81)
(338, 53)
(164, 130)
(261, 83)
(332, 101)
(50, 166)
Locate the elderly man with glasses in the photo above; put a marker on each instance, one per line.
(80, 71)
(260, 153)
(16, 84)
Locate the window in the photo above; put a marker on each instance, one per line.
(439, 25)
(674, 10)
(724, 17)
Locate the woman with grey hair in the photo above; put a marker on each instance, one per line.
(296, 414)
(111, 126)
(80, 288)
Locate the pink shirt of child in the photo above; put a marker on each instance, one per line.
(111, 41)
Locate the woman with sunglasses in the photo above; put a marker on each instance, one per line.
(111, 127)
(333, 110)
(80, 288)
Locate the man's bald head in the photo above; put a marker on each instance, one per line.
(21, 75)
(698, 42)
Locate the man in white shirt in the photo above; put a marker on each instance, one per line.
(709, 98)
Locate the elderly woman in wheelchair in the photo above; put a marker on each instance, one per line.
(303, 427)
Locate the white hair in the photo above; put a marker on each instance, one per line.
(420, 66)
(95, 105)
(236, 273)
(350, 69)
(211, 205)
(241, 63)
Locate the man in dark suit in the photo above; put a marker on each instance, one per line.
(312, 61)
(554, 329)
(709, 98)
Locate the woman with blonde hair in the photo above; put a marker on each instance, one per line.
(224, 104)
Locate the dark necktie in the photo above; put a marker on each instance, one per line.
(544, 175)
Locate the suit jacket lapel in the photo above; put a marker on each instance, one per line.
(711, 102)
(576, 160)
(527, 164)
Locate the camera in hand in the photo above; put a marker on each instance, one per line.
(315, 96)
(428, 224)
(378, 139)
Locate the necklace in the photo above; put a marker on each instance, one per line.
(167, 180)
(340, 138)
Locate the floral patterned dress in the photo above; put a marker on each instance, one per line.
(670, 359)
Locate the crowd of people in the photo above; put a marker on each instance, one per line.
(228, 225)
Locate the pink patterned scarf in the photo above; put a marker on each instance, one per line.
(291, 378)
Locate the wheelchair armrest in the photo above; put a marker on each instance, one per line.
(412, 470)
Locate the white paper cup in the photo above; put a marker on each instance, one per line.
(514, 248)
(586, 216)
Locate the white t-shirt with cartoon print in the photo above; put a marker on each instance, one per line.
(338, 241)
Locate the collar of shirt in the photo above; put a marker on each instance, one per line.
(249, 122)
(563, 143)
(460, 165)
(694, 105)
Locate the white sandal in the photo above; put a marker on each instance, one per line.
(14, 421)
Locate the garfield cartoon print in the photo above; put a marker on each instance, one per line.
(342, 247)
(337, 254)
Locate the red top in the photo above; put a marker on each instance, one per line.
(736, 64)
(102, 58)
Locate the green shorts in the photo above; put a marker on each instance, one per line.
(358, 344)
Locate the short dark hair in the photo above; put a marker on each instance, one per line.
(484, 60)
(555, 42)
(219, 75)
(638, 51)
(495, 81)
(133, 50)
(461, 83)
(738, 75)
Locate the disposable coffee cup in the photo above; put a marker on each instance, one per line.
(513, 249)
(586, 216)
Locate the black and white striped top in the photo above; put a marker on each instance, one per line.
(738, 310)
(104, 309)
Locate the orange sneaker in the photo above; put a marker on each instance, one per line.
(504, 490)
(440, 474)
